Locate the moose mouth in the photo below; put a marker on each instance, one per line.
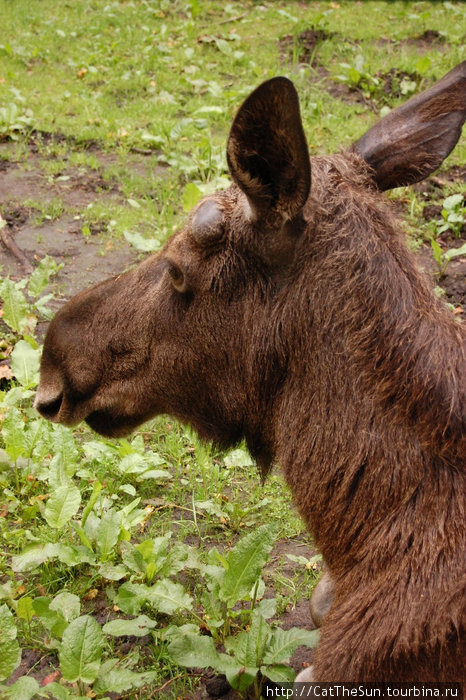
(110, 425)
(57, 407)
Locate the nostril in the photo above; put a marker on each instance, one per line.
(49, 408)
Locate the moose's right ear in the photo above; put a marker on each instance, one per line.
(267, 151)
(412, 141)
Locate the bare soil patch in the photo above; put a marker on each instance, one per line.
(86, 260)
(423, 42)
(303, 47)
(428, 38)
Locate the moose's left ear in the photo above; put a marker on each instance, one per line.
(267, 151)
(412, 141)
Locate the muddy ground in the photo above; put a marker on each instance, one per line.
(86, 260)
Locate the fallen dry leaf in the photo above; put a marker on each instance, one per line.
(91, 594)
(5, 372)
(55, 675)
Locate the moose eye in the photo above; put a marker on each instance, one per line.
(177, 278)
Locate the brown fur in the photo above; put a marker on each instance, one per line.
(302, 324)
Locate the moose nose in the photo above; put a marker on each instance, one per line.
(48, 406)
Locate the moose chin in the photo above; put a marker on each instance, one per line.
(288, 312)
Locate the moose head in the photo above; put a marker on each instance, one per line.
(288, 312)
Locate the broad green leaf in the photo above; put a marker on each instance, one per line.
(63, 443)
(10, 656)
(36, 435)
(133, 558)
(99, 451)
(238, 458)
(210, 109)
(81, 649)
(158, 474)
(145, 245)
(175, 560)
(172, 632)
(223, 46)
(85, 541)
(168, 597)
(131, 516)
(137, 627)
(437, 251)
(59, 692)
(283, 643)
(25, 363)
(455, 252)
(279, 673)
(191, 196)
(53, 620)
(131, 597)
(96, 489)
(58, 473)
(41, 307)
(245, 562)
(13, 433)
(15, 396)
(36, 554)
(25, 688)
(248, 647)
(241, 677)
(74, 555)
(113, 678)
(423, 64)
(10, 652)
(112, 572)
(146, 547)
(68, 604)
(25, 609)
(453, 201)
(62, 505)
(137, 464)
(39, 279)
(267, 608)
(108, 532)
(7, 625)
(14, 306)
(194, 651)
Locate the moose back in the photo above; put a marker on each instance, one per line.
(289, 313)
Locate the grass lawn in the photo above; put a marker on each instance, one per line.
(114, 116)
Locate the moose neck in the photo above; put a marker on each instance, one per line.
(374, 360)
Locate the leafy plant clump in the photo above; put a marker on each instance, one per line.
(453, 215)
(443, 257)
(14, 122)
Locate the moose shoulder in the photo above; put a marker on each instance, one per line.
(289, 312)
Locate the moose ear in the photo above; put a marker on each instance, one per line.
(267, 151)
(412, 141)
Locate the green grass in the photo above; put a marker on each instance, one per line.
(142, 94)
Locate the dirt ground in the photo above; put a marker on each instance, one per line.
(86, 259)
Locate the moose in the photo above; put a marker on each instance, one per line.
(288, 312)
